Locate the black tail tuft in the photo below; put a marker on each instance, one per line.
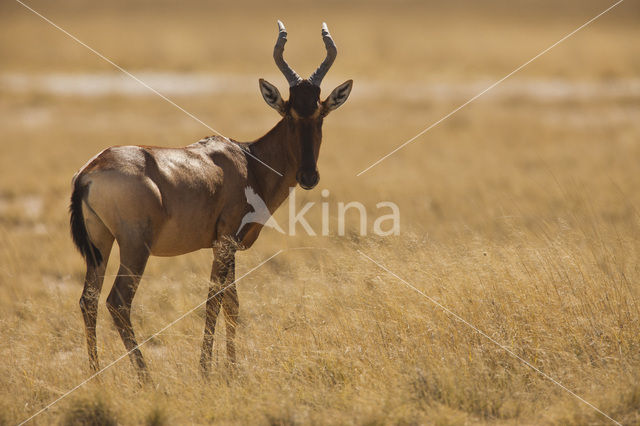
(79, 233)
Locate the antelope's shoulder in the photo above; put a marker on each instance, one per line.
(220, 150)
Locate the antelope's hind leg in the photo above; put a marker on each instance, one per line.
(103, 241)
(132, 263)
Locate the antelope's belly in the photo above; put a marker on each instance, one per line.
(178, 237)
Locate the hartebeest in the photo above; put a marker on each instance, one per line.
(168, 202)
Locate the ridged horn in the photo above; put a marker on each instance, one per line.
(332, 52)
(292, 77)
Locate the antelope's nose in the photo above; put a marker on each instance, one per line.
(308, 178)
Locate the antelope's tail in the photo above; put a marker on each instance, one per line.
(89, 251)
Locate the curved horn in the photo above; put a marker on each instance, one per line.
(289, 74)
(332, 52)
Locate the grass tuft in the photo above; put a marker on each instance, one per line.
(89, 412)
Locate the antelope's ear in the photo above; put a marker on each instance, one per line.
(271, 96)
(337, 97)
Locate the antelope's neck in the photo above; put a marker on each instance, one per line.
(274, 149)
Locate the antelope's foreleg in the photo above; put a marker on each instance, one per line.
(224, 258)
(231, 308)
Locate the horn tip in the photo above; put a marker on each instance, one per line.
(280, 25)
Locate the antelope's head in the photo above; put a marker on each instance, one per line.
(304, 111)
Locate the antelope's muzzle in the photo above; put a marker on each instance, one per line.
(308, 179)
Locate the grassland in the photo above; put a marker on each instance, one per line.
(519, 214)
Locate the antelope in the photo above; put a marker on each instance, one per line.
(170, 201)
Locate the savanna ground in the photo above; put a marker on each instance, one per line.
(519, 213)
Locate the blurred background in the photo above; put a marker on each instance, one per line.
(520, 211)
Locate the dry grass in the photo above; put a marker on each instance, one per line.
(519, 214)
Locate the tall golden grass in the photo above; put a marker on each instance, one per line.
(519, 214)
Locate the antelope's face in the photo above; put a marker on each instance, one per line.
(304, 111)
